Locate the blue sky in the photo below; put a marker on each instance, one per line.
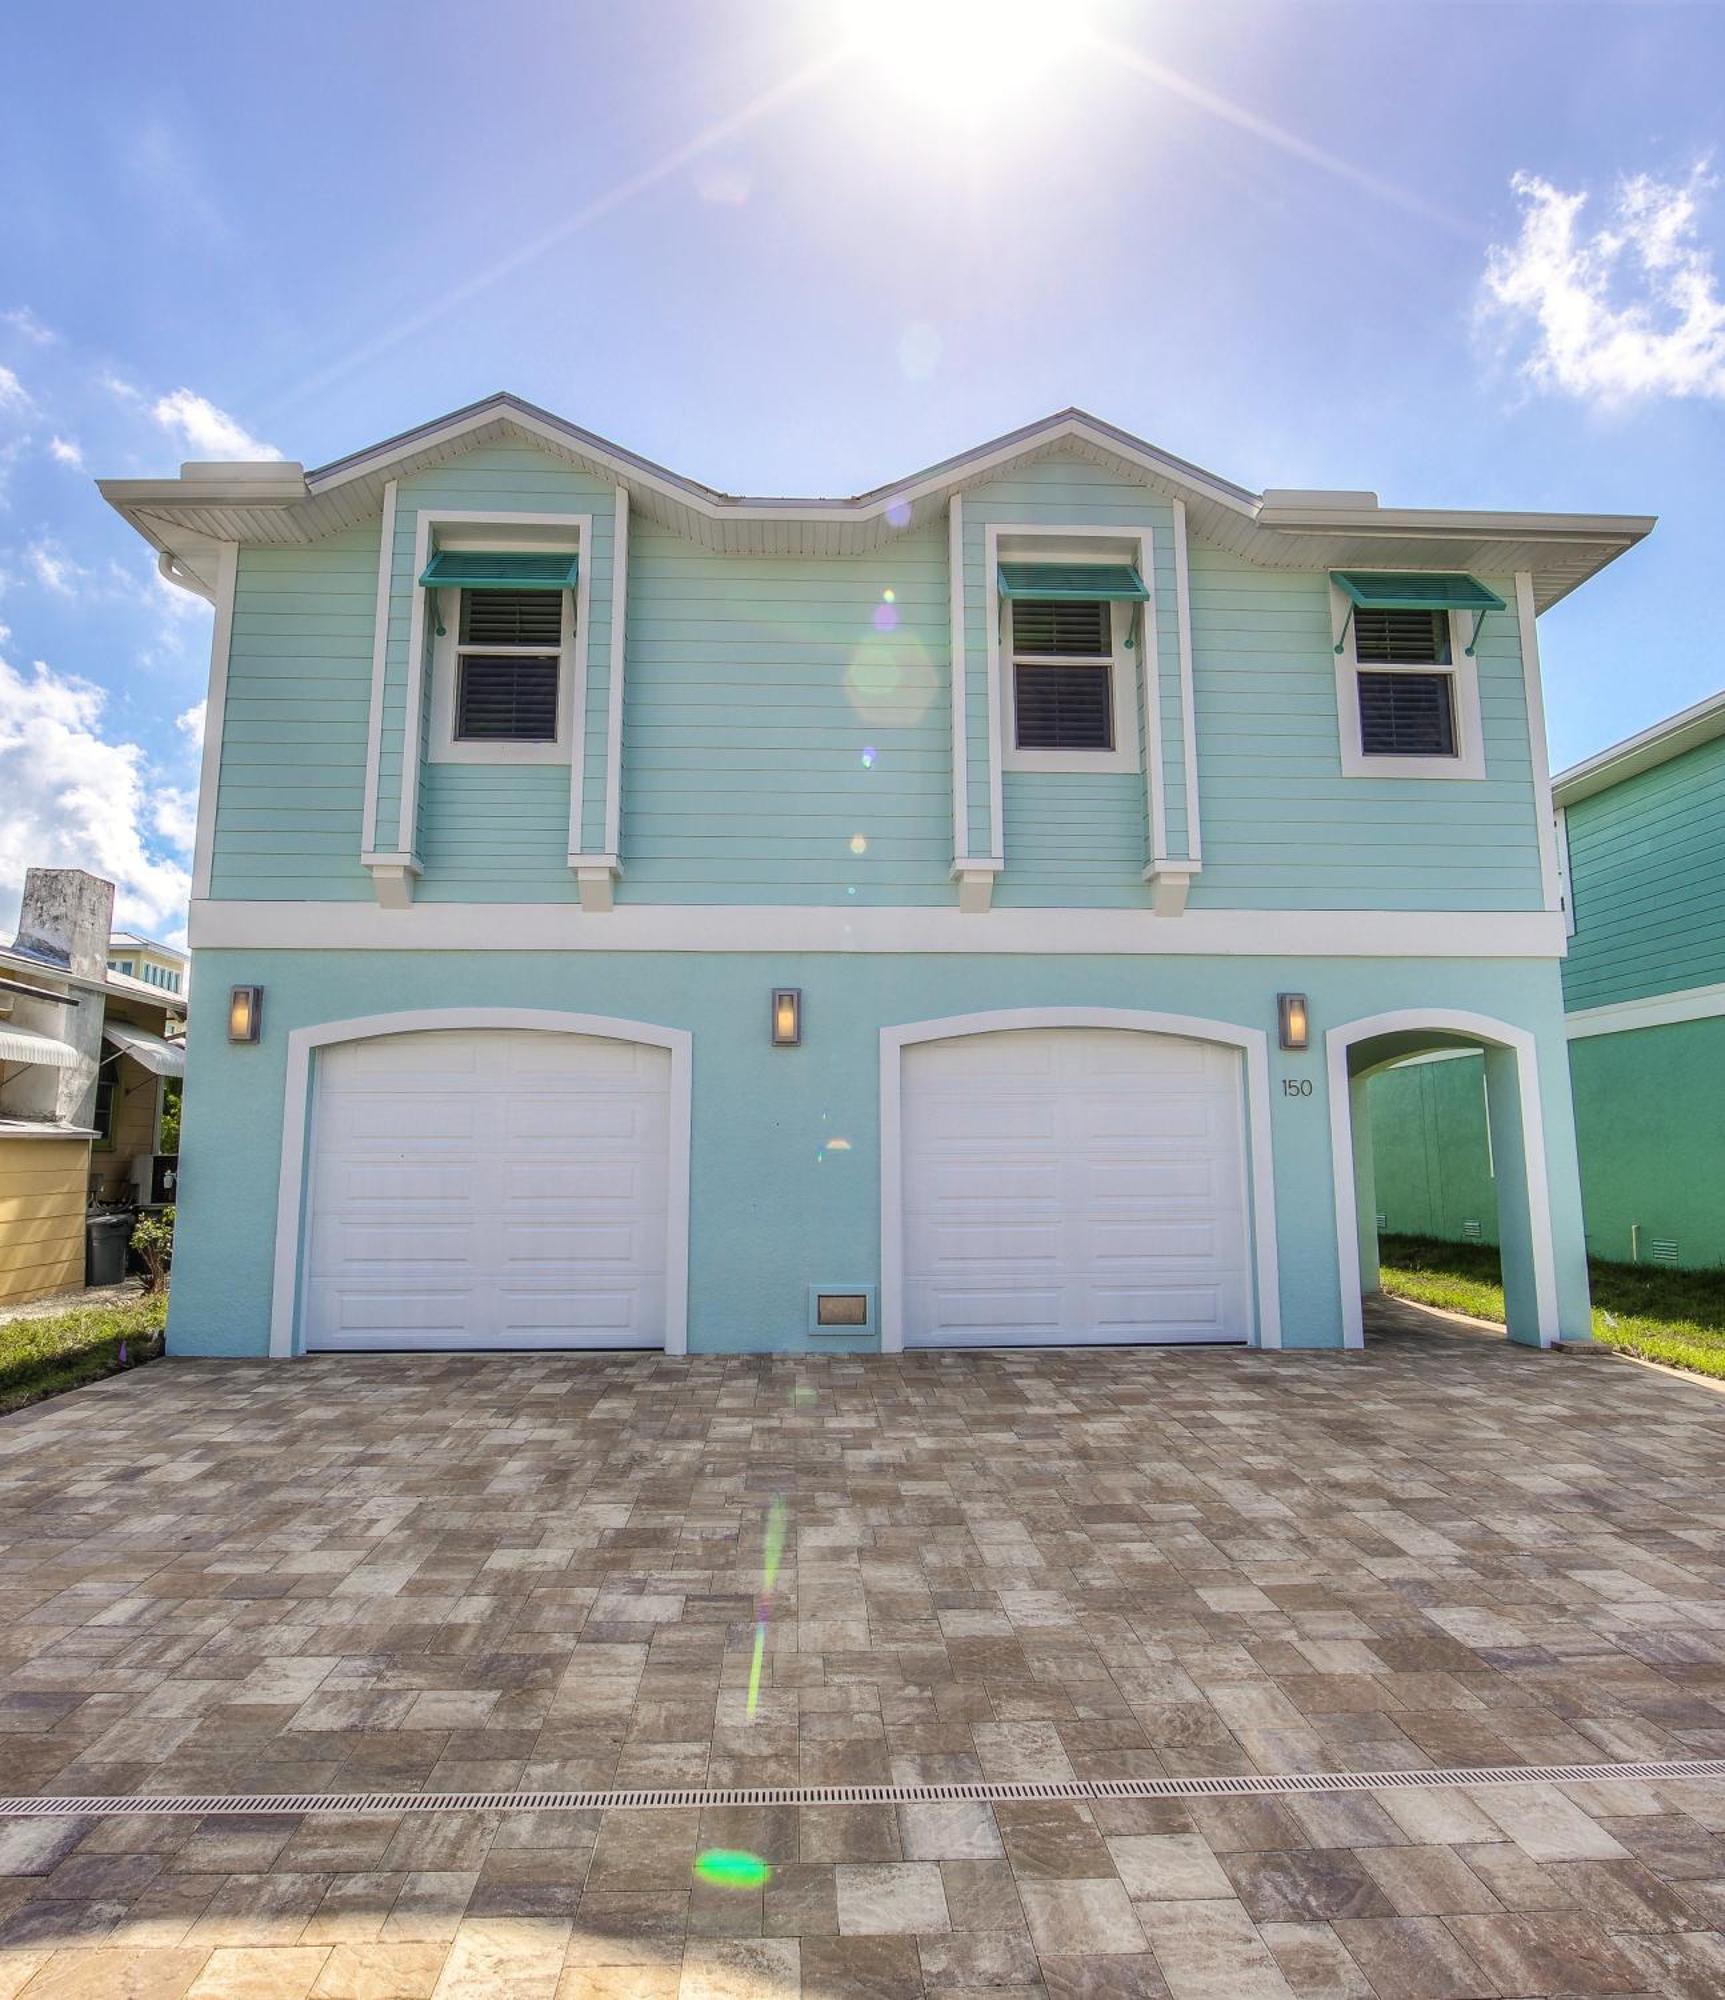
(1464, 254)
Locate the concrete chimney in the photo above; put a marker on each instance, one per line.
(65, 922)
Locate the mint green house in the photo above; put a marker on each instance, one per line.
(1641, 840)
(634, 915)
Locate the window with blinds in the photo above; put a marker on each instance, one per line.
(1400, 638)
(1063, 674)
(507, 666)
(1406, 715)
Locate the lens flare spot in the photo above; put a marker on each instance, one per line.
(886, 618)
(859, 843)
(732, 1868)
(772, 1546)
(889, 595)
(838, 1145)
(898, 514)
(760, 1653)
(890, 678)
(869, 755)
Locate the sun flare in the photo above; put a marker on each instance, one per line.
(966, 58)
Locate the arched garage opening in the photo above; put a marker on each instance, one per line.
(483, 1179)
(1073, 1176)
(1359, 1050)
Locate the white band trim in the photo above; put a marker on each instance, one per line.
(1659, 1010)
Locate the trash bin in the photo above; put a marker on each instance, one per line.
(105, 1239)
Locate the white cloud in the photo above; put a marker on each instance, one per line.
(12, 393)
(191, 724)
(1628, 309)
(203, 429)
(66, 450)
(55, 570)
(23, 321)
(76, 800)
(175, 816)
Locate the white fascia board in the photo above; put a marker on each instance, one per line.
(679, 927)
(1688, 729)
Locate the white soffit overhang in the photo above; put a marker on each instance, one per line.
(160, 1058)
(1688, 729)
(281, 503)
(30, 1045)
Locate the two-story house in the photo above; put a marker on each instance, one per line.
(1641, 845)
(133, 956)
(960, 914)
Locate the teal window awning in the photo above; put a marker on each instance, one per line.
(1414, 590)
(1084, 581)
(471, 569)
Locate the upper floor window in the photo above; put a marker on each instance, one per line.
(508, 658)
(1062, 675)
(503, 666)
(1071, 683)
(1407, 688)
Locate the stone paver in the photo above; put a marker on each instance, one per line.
(533, 1572)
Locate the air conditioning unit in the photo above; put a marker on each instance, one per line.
(154, 1177)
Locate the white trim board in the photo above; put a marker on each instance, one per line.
(1687, 730)
(1188, 700)
(215, 717)
(302, 1045)
(379, 668)
(960, 687)
(1483, 1028)
(1253, 1044)
(1301, 934)
(1551, 874)
(1658, 1010)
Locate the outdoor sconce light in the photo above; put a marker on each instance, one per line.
(787, 1016)
(1292, 1026)
(245, 1013)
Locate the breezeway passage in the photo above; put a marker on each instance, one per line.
(1074, 1186)
(488, 1187)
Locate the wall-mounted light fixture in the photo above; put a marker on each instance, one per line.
(245, 1013)
(787, 1016)
(1292, 1026)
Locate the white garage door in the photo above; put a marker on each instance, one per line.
(488, 1188)
(1073, 1185)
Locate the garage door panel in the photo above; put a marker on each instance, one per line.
(1118, 1212)
(488, 1188)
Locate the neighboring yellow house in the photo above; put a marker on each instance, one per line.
(90, 1063)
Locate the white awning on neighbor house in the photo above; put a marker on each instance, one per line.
(29, 1045)
(159, 1057)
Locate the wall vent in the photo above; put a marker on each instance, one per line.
(1471, 1232)
(1664, 1250)
(841, 1312)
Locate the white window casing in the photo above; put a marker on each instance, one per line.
(446, 747)
(1462, 672)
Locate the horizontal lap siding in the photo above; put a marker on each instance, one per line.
(290, 796)
(1283, 829)
(755, 688)
(1072, 839)
(43, 1196)
(1646, 860)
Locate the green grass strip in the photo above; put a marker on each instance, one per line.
(1677, 1317)
(42, 1356)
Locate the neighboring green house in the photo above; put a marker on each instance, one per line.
(1641, 836)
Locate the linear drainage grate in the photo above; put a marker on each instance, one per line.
(1071, 1790)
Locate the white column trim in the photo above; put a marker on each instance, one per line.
(379, 665)
(215, 717)
(996, 742)
(619, 655)
(1150, 684)
(302, 1045)
(412, 722)
(1188, 704)
(1260, 1175)
(1478, 1027)
(1539, 756)
(960, 685)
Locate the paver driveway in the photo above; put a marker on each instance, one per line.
(542, 1572)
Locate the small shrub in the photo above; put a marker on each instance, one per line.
(153, 1239)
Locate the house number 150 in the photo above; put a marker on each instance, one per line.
(1296, 1086)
